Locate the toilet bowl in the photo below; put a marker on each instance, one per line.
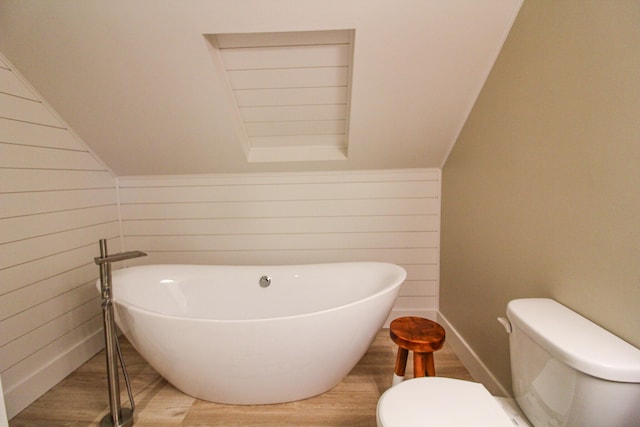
(438, 401)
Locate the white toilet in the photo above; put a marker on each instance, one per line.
(566, 371)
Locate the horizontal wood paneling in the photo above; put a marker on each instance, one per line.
(20, 348)
(25, 298)
(424, 271)
(20, 228)
(286, 56)
(34, 180)
(278, 192)
(291, 96)
(11, 85)
(305, 74)
(23, 251)
(29, 157)
(282, 39)
(16, 132)
(427, 207)
(22, 204)
(33, 365)
(421, 304)
(56, 202)
(65, 261)
(293, 113)
(274, 256)
(390, 216)
(291, 77)
(382, 176)
(299, 127)
(419, 288)
(293, 147)
(290, 241)
(283, 225)
(22, 322)
(26, 110)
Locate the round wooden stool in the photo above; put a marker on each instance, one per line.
(423, 337)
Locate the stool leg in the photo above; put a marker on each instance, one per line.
(401, 366)
(430, 365)
(419, 364)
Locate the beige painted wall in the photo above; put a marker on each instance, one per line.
(541, 194)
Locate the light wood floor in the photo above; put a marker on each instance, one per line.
(81, 399)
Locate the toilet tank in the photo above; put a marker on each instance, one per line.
(568, 371)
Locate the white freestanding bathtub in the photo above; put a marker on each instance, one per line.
(254, 334)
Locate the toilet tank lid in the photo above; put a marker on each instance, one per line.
(575, 340)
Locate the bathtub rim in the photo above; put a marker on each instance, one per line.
(387, 289)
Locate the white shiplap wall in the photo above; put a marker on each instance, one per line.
(56, 202)
(292, 218)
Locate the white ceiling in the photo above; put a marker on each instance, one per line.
(136, 80)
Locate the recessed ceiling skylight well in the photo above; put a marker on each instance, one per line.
(291, 91)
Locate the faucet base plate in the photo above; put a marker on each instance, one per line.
(126, 419)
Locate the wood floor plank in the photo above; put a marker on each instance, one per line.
(81, 399)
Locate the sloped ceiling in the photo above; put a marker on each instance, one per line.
(138, 81)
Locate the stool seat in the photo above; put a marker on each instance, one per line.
(423, 337)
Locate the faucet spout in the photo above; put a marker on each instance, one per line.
(119, 257)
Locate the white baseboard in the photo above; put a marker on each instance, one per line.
(26, 392)
(471, 361)
(4, 420)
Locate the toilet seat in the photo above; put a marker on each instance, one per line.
(438, 401)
